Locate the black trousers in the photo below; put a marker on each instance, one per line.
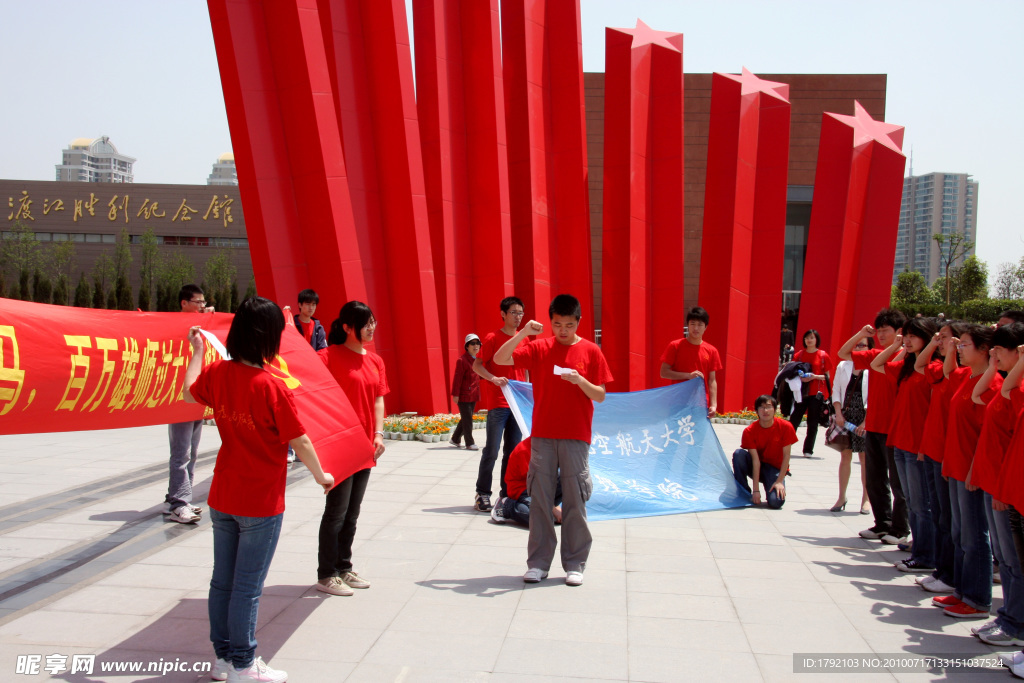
(338, 525)
(812, 406)
(890, 511)
(465, 426)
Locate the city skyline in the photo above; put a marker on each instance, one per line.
(154, 87)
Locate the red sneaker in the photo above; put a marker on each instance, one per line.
(946, 601)
(965, 611)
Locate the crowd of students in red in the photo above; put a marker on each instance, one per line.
(944, 433)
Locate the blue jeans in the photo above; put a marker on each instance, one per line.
(1010, 616)
(915, 488)
(242, 550)
(942, 519)
(742, 468)
(972, 553)
(500, 421)
(184, 438)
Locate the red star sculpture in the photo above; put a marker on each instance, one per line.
(645, 35)
(750, 84)
(867, 129)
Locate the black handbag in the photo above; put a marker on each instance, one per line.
(827, 410)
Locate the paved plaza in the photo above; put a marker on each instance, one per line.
(90, 566)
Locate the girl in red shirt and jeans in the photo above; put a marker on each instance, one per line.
(256, 417)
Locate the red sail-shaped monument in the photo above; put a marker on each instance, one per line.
(460, 101)
(851, 247)
(744, 232)
(542, 60)
(642, 251)
(287, 145)
(370, 64)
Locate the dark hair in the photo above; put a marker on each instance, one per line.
(565, 305)
(1008, 336)
(255, 334)
(698, 313)
(922, 328)
(890, 317)
(308, 296)
(981, 336)
(870, 341)
(1015, 316)
(187, 292)
(765, 398)
(356, 315)
(510, 301)
(817, 338)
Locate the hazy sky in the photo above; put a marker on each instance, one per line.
(145, 73)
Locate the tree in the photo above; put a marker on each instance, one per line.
(149, 266)
(172, 274)
(3, 284)
(1009, 282)
(59, 258)
(102, 276)
(219, 273)
(952, 249)
(123, 292)
(234, 295)
(42, 288)
(61, 292)
(83, 295)
(23, 286)
(122, 270)
(250, 291)
(910, 288)
(20, 252)
(971, 280)
(111, 300)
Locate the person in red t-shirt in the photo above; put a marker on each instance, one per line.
(763, 456)
(933, 446)
(569, 374)
(516, 506)
(501, 425)
(692, 357)
(972, 549)
(309, 327)
(890, 511)
(256, 416)
(815, 388)
(466, 392)
(910, 410)
(360, 373)
(996, 432)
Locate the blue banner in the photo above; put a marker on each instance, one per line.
(653, 452)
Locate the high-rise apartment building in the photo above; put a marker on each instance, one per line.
(934, 204)
(224, 171)
(88, 160)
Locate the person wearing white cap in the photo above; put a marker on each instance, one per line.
(466, 392)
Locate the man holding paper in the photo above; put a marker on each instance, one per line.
(569, 373)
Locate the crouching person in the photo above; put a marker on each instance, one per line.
(515, 507)
(764, 456)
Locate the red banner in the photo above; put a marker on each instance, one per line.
(68, 369)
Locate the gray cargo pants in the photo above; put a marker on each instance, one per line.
(551, 460)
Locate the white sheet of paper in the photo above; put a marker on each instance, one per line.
(562, 371)
(215, 343)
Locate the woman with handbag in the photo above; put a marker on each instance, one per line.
(849, 401)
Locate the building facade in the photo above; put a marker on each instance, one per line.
(88, 160)
(196, 221)
(934, 204)
(224, 171)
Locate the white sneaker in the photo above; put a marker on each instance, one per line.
(219, 672)
(333, 585)
(257, 671)
(891, 539)
(496, 512)
(937, 586)
(987, 626)
(534, 575)
(924, 580)
(1010, 659)
(353, 580)
(574, 578)
(808, 455)
(184, 515)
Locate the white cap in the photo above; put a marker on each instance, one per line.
(470, 337)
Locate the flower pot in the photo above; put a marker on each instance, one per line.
(406, 436)
(434, 438)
